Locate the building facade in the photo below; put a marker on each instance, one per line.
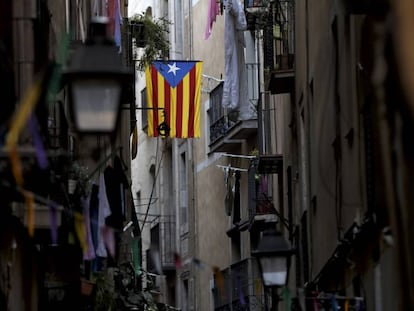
(323, 157)
(43, 224)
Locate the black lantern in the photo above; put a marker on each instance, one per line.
(97, 80)
(273, 253)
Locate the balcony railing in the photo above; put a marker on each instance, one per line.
(223, 125)
(279, 48)
(218, 120)
(241, 289)
(163, 241)
(279, 36)
(261, 205)
(261, 202)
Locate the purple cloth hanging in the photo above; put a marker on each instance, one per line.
(213, 11)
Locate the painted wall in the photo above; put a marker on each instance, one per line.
(331, 146)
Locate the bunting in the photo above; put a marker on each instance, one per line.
(173, 97)
(115, 21)
(213, 11)
(177, 261)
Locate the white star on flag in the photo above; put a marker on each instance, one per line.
(173, 68)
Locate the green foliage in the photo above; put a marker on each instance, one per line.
(79, 173)
(105, 298)
(152, 35)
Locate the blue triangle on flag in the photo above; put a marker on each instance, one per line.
(173, 71)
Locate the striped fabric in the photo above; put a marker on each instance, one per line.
(175, 87)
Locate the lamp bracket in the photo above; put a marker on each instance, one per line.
(163, 128)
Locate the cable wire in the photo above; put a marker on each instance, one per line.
(157, 171)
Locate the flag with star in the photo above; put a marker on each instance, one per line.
(173, 98)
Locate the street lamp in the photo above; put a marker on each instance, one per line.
(273, 253)
(96, 79)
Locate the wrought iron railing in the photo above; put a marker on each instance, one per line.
(279, 40)
(241, 287)
(220, 123)
(162, 241)
(259, 194)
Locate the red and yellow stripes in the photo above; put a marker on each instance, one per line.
(181, 103)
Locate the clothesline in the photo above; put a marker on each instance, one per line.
(329, 297)
(232, 168)
(238, 156)
(337, 302)
(103, 162)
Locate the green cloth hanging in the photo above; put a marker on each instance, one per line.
(287, 299)
(136, 255)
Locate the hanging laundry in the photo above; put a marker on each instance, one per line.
(53, 224)
(136, 257)
(103, 212)
(315, 304)
(89, 253)
(236, 213)
(229, 182)
(109, 240)
(235, 96)
(219, 280)
(134, 143)
(287, 299)
(115, 21)
(156, 260)
(212, 12)
(177, 261)
(38, 143)
(334, 303)
(29, 199)
(346, 305)
(80, 230)
(116, 182)
(242, 300)
(96, 264)
(94, 214)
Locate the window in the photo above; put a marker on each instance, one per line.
(183, 194)
(216, 114)
(144, 115)
(184, 296)
(178, 23)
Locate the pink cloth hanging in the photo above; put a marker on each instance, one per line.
(213, 11)
(89, 254)
(315, 304)
(115, 21)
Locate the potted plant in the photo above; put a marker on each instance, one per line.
(105, 296)
(151, 35)
(78, 180)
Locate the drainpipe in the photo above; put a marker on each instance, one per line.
(67, 16)
(259, 101)
(307, 141)
(190, 17)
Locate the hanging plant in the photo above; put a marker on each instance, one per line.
(78, 180)
(151, 35)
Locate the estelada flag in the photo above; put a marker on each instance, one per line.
(175, 87)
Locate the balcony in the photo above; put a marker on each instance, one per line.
(374, 7)
(257, 13)
(278, 42)
(228, 133)
(58, 129)
(262, 211)
(163, 243)
(241, 288)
